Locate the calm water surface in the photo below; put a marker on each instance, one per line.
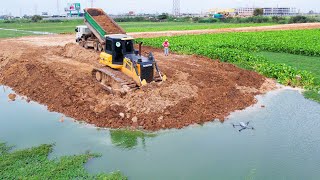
(285, 144)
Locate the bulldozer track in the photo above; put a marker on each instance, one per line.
(113, 81)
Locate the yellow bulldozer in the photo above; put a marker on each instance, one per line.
(125, 68)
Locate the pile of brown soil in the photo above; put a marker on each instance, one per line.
(108, 25)
(198, 89)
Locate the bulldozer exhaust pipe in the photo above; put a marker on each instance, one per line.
(140, 48)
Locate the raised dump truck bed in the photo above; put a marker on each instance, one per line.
(101, 24)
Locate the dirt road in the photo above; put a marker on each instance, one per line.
(58, 75)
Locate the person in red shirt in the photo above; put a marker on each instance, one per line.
(166, 47)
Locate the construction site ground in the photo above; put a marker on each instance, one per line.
(56, 72)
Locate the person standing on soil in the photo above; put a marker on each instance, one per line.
(166, 47)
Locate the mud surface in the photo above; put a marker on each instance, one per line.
(198, 89)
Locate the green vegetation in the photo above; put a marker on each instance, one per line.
(69, 26)
(7, 34)
(33, 163)
(308, 63)
(241, 48)
(258, 12)
(167, 26)
(311, 64)
(257, 18)
(44, 26)
(128, 139)
(312, 94)
(303, 42)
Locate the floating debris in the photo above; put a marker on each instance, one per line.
(12, 97)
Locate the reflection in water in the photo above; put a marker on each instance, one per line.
(128, 139)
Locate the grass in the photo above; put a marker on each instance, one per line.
(166, 26)
(311, 64)
(308, 63)
(53, 27)
(33, 163)
(9, 34)
(69, 26)
(313, 95)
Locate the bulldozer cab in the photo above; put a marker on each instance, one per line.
(118, 46)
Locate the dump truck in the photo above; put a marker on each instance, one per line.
(125, 69)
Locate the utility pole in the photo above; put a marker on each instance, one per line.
(35, 9)
(58, 8)
(91, 3)
(176, 8)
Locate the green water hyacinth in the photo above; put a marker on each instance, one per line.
(238, 48)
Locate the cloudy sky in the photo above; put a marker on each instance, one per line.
(21, 7)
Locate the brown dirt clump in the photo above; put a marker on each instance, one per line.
(12, 96)
(198, 89)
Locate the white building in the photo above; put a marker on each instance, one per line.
(245, 12)
(279, 11)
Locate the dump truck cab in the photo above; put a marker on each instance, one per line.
(82, 31)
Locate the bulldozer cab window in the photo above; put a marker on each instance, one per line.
(118, 51)
(109, 45)
(128, 46)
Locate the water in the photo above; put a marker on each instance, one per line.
(285, 144)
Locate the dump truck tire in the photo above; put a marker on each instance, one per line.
(95, 46)
(85, 45)
(100, 47)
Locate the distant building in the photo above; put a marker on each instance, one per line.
(267, 11)
(244, 12)
(279, 11)
(6, 17)
(131, 13)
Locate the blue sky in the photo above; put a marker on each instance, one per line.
(17, 7)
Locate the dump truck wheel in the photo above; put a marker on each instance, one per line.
(85, 45)
(100, 47)
(81, 43)
(98, 76)
(95, 46)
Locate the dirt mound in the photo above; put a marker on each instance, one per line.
(198, 89)
(108, 25)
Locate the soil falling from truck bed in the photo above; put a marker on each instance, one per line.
(198, 89)
(107, 24)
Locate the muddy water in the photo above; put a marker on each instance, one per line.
(285, 144)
